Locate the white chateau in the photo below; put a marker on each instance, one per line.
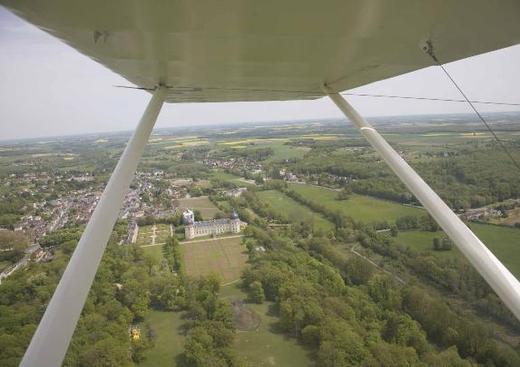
(213, 227)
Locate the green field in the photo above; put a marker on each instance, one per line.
(362, 208)
(237, 180)
(225, 257)
(202, 204)
(283, 151)
(169, 342)
(293, 210)
(504, 242)
(263, 346)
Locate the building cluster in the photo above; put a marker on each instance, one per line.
(237, 164)
(481, 214)
(235, 193)
(288, 176)
(151, 194)
(324, 179)
(55, 214)
(193, 229)
(492, 211)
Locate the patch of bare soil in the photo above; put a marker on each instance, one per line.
(245, 318)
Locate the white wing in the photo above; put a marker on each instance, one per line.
(234, 50)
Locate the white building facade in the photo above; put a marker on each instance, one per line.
(194, 229)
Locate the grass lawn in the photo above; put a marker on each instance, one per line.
(423, 241)
(363, 208)
(169, 342)
(504, 242)
(264, 347)
(225, 257)
(201, 203)
(293, 210)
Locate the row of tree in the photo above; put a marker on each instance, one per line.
(127, 284)
(454, 275)
(344, 324)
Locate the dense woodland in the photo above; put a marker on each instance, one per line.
(127, 284)
(351, 314)
(357, 318)
(468, 177)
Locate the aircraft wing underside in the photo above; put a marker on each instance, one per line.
(250, 50)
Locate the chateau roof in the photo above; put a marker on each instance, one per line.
(210, 223)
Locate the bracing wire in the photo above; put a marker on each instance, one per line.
(427, 98)
(428, 48)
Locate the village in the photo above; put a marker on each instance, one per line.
(151, 195)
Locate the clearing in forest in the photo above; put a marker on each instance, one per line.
(258, 339)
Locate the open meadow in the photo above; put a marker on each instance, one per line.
(261, 344)
(225, 257)
(169, 340)
(503, 241)
(257, 341)
(293, 210)
(362, 208)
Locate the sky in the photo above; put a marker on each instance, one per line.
(49, 89)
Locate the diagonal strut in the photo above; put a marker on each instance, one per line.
(52, 337)
(492, 270)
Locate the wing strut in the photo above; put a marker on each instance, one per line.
(492, 270)
(52, 337)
